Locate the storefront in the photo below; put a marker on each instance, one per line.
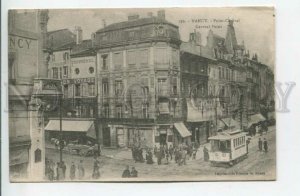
(72, 130)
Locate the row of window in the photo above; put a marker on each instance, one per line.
(162, 87)
(65, 57)
(141, 57)
(119, 113)
(85, 89)
(59, 73)
(225, 73)
(239, 141)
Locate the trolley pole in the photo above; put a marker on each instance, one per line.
(60, 129)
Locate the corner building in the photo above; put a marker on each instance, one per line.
(139, 83)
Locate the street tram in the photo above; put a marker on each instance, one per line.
(228, 148)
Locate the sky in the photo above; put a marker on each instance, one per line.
(253, 25)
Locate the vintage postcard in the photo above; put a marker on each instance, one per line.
(174, 94)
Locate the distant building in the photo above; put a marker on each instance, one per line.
(236, 83)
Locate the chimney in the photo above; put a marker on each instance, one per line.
(133, 17)
(93, 38)
(150, 14)
(161, 14)
(78, 33)
(103, 23)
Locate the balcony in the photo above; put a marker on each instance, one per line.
(163, 92)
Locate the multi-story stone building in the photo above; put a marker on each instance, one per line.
(236, 83)
(144, 82)
(27, 30)
(73, 61)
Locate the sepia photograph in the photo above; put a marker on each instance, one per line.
(141, 95)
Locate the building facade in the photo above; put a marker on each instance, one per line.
(73, 61)
(27, 32)
(236, 83)
(143, 82)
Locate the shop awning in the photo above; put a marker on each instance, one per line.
(163, 108)
(183, 131)
(230, 123)
(256, 118)
(73, 126)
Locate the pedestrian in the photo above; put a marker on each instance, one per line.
(260, 144)
(155, 151)
(126, 172)
(64, 169)
(184, 156)
(133, 153)
(265, 145)
(133, 173)
(171, 151)
(159, 157)
(51, 171)
(176, 155)
(247, 144)
(149, 157)
(96, 172)
(194, 152)
(59, 171)
(205, 154)
(72, 171)
(140, 154)
(80, 170)
(166, 152)
(260, 130)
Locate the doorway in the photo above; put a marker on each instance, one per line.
(106, 137)
(163, 139)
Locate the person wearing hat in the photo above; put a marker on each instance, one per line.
(266, 145)
(126, 172)
(260, 144)
(134, 172)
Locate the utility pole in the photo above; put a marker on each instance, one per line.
(96, 117)
(60, 129)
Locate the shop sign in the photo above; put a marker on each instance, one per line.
(78, 81)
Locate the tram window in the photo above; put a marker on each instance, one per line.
(224, 146)
(214, 145)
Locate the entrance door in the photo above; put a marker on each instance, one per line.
(121, 139)
(163, 139)
(106, 137)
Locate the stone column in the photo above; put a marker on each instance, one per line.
(37, 135)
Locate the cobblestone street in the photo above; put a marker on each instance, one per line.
(114, 161)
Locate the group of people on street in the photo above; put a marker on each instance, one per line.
(164, 154)
(263, 143)
(58, 171)
(129, 174)
(258, 128)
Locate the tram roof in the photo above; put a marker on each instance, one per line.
(227, 135)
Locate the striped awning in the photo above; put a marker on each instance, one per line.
(183, 131)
